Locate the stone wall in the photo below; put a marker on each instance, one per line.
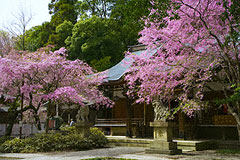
(27, 129)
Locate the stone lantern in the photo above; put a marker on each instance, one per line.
(163, 132)
(83, 125)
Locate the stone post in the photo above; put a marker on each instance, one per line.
(83, 125)
(162, 143)
(83, 128)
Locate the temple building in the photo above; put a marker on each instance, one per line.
(127, 118)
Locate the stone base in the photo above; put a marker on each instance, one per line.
(83, 128)
(163, 130)
(163, 147)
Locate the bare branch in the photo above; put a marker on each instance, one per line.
(18, 27)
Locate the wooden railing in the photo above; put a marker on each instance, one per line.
(118, 126)
(120, 122)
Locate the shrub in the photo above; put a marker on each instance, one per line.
(48, 142)
(39, 143)
(12, 146)
(77, 142)
(97, 138)
(55, 142)
(69, 129)
(4, 138)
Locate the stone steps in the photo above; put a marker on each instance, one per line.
(181, 144)
(129, 142)
(195, 145)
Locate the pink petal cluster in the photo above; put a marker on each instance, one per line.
(190, 50)
(44, 75)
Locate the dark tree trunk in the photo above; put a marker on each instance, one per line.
(37, 121)
(48, 117)
(12, 116)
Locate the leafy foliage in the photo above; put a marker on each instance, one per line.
(95, 38)
(4, 138)
(62, 10)
(69, 129)
(102, 64)
(97, 138)
(38, 36)
(100, 8)
(103, 32)
(55, 142)
(128, 14)
(62, 32)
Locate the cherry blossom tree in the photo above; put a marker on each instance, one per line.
(44, 76)
(197, 43)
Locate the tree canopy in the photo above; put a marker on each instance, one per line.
(197, 43)
(63, 10)
(33, 79)
(95, 38)
(117, 25)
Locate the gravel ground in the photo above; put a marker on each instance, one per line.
(121, 152)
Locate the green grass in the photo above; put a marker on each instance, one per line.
(228, 151)
(108, 158)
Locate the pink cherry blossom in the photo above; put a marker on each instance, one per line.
(192, 50)
(48, 76)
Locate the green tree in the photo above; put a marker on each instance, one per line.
(38, 36)
(64, 14)
(102, 64)
(33, 41)
(95, 38)
(62, 10)
(128, 14)
(61, 34)
(100, 8)
(104, 30)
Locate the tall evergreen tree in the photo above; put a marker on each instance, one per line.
(62, 10)
(128, 13)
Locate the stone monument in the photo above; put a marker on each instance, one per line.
(82, 122)
(163, 131)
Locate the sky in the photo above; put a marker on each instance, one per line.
(38, 9)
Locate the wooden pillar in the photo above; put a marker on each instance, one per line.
(144, 128)
(129, 118)
(181, 124)
(69, 118)
(145, 114)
